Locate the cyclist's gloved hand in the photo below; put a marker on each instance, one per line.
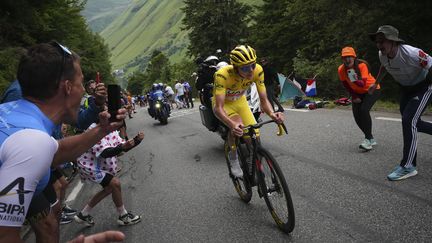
(237, 129)
(278, 117)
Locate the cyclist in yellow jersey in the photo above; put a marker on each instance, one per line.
(229, 101)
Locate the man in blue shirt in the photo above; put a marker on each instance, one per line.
(50, 77)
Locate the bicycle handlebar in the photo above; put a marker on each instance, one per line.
(282, 127)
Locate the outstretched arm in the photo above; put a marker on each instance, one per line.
(381, 74)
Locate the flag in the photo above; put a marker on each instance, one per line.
(289, 89)
(98, 80)
(311, 88)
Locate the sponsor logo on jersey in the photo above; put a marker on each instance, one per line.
(423, 58)
(220, 76)
(12, 211)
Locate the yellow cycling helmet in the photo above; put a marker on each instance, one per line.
(242, 55)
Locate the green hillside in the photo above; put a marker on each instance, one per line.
(145, 26)
(100, 13)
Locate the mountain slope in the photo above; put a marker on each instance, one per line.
(100, 13)
(145, 26)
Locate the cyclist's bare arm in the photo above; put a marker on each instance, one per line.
(236, 127)
(266, 107)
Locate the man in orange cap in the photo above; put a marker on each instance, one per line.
(356, 78)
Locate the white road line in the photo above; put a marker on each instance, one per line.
(75, 192)
(299, 110)
(388, 119)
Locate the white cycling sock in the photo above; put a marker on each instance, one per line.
(86, 210)
(121, 210)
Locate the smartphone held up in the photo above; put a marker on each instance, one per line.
(114, 101)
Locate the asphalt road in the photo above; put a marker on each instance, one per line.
(178, 180)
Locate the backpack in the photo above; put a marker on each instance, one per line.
(205, 75)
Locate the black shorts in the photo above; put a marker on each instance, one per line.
(39, 208)
(106, 180)
(41, 204)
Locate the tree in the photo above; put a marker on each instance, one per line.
(308, 35)
(25, 23)
(158, 70)
(215, 24)
(136, 83)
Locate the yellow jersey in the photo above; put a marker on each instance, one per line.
(227, 81)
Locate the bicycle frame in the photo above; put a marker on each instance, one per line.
(250, 132)
(263, 171)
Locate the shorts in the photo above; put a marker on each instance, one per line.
(41, 204)
(106, 180)
(240, 108)
(171, 98)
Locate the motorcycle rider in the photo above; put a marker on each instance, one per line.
(151, 99)
(229, 100)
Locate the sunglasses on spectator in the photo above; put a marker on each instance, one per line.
(248, 68)
(64, 51)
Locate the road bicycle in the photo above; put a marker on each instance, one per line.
(261, 169)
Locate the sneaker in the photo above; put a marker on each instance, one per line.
(366, 145)
(68, 211)
(372, 142)
(81, 219)
(129, 219)
(236, 171)
(400, 173)
(64, 219)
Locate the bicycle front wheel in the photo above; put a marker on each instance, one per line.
(275, 191)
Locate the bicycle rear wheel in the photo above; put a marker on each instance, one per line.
(241, 185)
(275, 191)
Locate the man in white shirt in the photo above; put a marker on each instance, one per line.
(411, 68)
(170, 95)
(180, 92)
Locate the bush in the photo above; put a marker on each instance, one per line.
(9, 59)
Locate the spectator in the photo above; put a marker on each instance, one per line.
(12, 93)
(99, 165)
(271, 82)
(51, 81)
(188, 94)
(180, 93)
(411, 68)
(356, 78)
(170, 95)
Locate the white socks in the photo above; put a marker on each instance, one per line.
(86, 210)
(121, 210)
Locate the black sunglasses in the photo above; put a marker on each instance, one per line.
(248, 68)
(64, 51)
